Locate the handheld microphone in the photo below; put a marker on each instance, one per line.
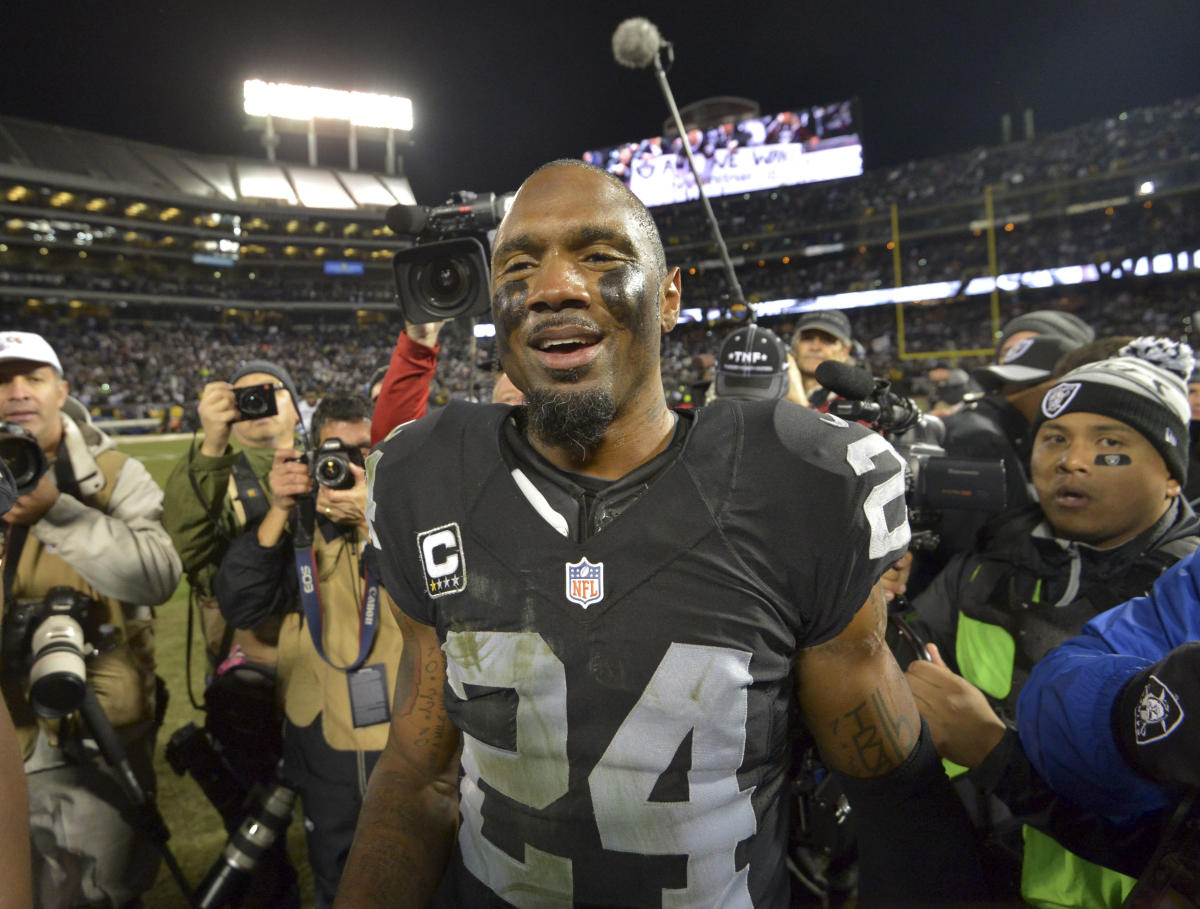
(636, 43)
(845, 380)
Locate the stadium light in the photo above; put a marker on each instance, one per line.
(304, 102)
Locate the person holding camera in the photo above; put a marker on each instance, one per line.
(85, 551)
(216, 491)
(1109, 457)
(213, 493)
(339, 646)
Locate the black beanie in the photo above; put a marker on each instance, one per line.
(1142, 386)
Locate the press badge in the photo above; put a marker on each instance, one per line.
(368, 695)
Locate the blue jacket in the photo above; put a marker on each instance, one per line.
(1064, 710)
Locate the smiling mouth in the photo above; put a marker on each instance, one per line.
(566, 347)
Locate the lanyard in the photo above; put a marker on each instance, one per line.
(314, 608)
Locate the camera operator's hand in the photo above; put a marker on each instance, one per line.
(288, 478)
(895, 579)
(424, 332)
(217, 411)
(1155, 718)
(962, 723)
(29, 508)
(346, 506)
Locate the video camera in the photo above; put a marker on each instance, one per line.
(50, 639)
(444, 274)
(330, 463)
(22, 456)
(932, 482)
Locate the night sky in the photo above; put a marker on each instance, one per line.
(501, 87)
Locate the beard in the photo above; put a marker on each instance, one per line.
(570, 419)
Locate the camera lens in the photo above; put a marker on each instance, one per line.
(444, 282)
(18, 454)
(333, 471)
(57, 680)
(253, 403)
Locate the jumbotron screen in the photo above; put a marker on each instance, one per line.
(795, 146)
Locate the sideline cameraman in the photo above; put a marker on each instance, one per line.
(92, 524)
(1109, 458)
(336, 718)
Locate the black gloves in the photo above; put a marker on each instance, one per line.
(1156, 718)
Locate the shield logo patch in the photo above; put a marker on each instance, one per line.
(585, 582)
(1157, 714)
(1058, 397)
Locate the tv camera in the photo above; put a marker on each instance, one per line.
(444, 273)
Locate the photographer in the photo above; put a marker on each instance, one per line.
(1108, 461)
(212, 494)
(91, 524)
(339, 645)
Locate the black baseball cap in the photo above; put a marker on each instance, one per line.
(752, 365)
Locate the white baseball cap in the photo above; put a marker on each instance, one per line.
(25, 345)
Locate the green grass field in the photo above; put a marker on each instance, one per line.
(197, 836)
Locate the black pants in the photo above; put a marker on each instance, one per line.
(331, 784)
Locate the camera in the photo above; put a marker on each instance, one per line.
(444, 274)
(255, 401)
(330, 464)
(933, 483)
(22, 456)
(50, 639)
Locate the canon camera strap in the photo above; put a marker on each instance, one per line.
(310, 590)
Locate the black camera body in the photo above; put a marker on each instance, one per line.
(22, 457)
(255, 402)
(51, 639)
(933, 483)
(329, 464)
(445, 273)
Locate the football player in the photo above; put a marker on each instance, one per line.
(610, 607)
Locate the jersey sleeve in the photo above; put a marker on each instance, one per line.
(393, 542)
(834, 493)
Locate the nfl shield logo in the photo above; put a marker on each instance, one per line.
(585, 582)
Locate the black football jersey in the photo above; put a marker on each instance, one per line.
(624, 700)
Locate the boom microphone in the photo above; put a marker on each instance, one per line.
(845, 380)
(636, 42)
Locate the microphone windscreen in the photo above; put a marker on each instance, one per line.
(407, 219)
(845, 380)
(635, 42)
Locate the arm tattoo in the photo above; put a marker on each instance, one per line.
(880, 739)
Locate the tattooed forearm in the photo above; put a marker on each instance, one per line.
(874, 737)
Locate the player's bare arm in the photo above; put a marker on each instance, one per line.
(855, 699)
(410, 811)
